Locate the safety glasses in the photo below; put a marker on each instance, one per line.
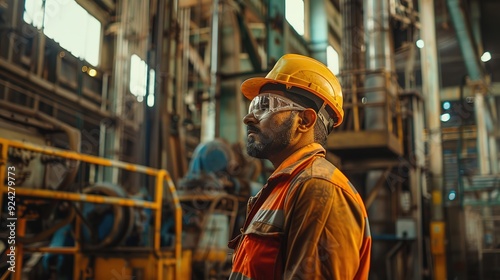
(266, 104)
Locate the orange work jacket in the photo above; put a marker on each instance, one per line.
(307, 222)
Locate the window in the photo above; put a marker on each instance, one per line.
(138, 78)
(332, 60)
(67, 23)
(294, 14)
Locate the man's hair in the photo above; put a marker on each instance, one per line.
(320, 135)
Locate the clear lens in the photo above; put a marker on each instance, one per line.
(265, 104)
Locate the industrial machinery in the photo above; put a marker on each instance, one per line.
(54, 228)
(213, 195)
(91, 231)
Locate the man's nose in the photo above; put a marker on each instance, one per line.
(250, 118)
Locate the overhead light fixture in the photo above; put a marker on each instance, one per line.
(446, 105)
(445, 117)
(92, 72)
(486, 57)
(420, 43)
(452, 195)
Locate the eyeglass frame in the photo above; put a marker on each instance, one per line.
(291, 105)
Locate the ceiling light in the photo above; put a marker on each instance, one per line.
(486, 57)
(446, 105)
(420, 43)
(452, 195)
(445, 117)
(92, 72)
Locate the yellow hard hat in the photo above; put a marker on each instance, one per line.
(293, 70)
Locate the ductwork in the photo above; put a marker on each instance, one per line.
(379, 56)
(465, 40)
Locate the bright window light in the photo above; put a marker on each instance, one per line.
(445, 117)
(486, 57)
(151, 96)
(138, 78)
(420, 43)
(446, 105)
(67, 23)
(294, 14)
(332, 59)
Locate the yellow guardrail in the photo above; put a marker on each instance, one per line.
(161, 178)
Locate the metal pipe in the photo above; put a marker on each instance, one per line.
(378, 62)
(465, 40)
(157, 224)
(494, 153)
(417, 178)
(208, 131)
(430, 78)
(20, 230)
(178, 225)
(154, 138)
(102, 125)
(476, 25)
(120, 74)
(482, 134)
(318, 29)
(14, 23)
(348, 32)
(80, 157)
(53, 250)
(377, 33)
(378, 56)
(430, 88)
(388, 259)
(90, 198)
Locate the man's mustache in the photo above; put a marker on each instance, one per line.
(252, 128)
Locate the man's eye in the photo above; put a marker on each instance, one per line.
(260, 111)
(264, 104)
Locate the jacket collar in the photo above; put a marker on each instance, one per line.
(295, 160)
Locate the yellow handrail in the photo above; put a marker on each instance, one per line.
(162, 177)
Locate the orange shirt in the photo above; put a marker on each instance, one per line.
(307, 222)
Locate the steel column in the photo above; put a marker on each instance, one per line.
(430, 88)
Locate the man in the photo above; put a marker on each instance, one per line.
(308, 221)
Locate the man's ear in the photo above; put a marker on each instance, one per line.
(307, 119)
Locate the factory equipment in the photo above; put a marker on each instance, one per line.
(67, 232)
(213, 196)
(98, 230)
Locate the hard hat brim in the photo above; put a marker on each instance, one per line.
(251, 87)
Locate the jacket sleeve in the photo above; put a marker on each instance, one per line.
(324, 232)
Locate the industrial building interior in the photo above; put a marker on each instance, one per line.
(123, 147)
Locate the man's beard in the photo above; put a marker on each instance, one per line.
(266, 144)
